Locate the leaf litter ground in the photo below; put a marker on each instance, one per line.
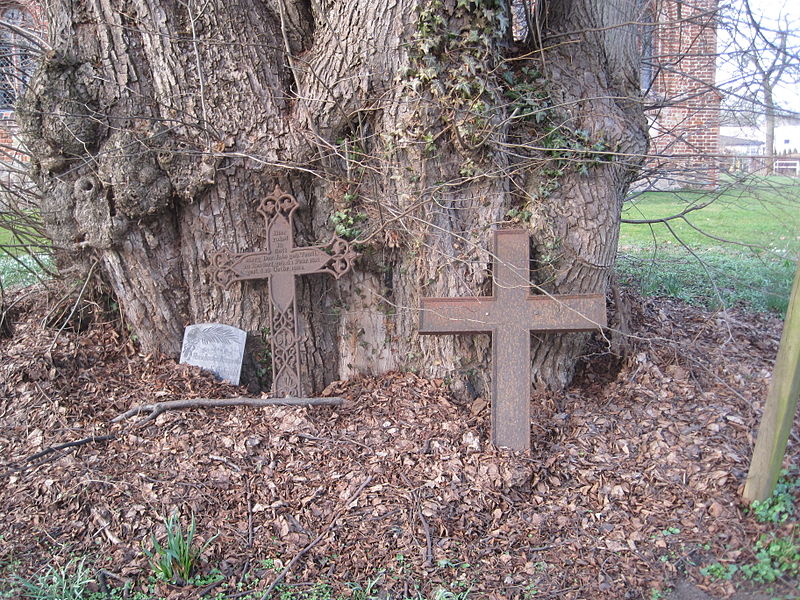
(632, 484)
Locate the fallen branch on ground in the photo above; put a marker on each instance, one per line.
(160, 407)
(22, 465)
(75, 444)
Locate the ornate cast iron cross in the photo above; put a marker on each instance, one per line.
(510, 315)
(281, 262)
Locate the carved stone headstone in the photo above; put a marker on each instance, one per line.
(281, 262)
(215, 347)
(510, 314)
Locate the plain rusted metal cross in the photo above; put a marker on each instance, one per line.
(281, 262)
(510, 314)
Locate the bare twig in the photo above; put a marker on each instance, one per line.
(160, 407)
(74, 444)
(207, 589)
(74, 307)
(29, 35)
(428, 541)
(222, 459)
(306, 436)
(317, 539)
(240, 594)
(249, 514)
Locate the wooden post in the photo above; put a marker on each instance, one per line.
(779, 410)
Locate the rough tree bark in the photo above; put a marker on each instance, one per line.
(157, 126)
(769, 126)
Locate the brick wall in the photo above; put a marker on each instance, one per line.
(35, 20)
(685, 121)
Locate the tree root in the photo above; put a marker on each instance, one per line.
(160, 407)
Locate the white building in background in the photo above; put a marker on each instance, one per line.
(748, 141)
(787, 140)
(742, 149)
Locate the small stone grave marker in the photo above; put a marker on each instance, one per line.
(510, 314)
(215, 347)
(280, 263)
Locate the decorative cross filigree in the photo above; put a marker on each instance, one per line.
(281, 262)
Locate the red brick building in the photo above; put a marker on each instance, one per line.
(678, 74)
(24, 22)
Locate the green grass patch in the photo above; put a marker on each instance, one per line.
(765, 217)
(22, 270)
(21, 232)
(24, 254)
(736, 246)
(714, 280)
(76, 581)
(69, 582)
(6, 237)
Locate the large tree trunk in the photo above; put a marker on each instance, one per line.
(158, 125)
(594, 60)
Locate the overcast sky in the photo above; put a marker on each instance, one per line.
(773, 15)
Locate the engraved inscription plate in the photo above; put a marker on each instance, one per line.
(215, 347)
(510, 314)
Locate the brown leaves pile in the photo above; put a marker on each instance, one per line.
(633, 479)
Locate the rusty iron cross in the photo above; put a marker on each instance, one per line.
(510, 314)
(281, 262)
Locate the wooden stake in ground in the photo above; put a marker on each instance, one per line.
(780, 408)
(509, 315)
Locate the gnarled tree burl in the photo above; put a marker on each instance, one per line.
(412, 127)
